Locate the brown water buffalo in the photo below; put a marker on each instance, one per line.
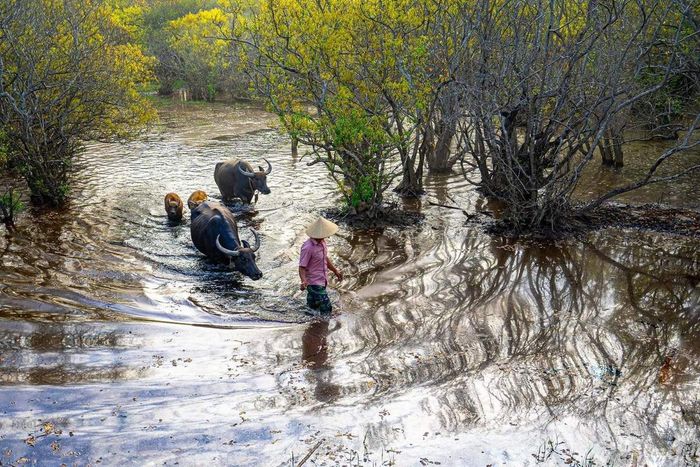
(236, 179)
(173, 206)
(215, 233)
(196, 198)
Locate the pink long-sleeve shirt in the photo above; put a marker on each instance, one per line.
(313, 259)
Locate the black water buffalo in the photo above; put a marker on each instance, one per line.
(215, 233)
(236, 179)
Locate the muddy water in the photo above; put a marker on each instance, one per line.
(120, 344)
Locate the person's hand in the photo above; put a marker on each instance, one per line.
(303, 285)
(339, 275)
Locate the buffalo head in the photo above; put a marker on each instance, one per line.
(173, 206)
(196, 198)
(258, 179)
(243, 258)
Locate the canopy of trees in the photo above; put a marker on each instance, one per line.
(68, 72)
(523, 95)
(355, 81)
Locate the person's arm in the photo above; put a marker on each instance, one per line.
(335, 270)
(304, 258)
(302, 276)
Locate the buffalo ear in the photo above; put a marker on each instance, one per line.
(260, 168)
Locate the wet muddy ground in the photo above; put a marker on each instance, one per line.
(121, 344)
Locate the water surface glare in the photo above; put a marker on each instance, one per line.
(121, 344)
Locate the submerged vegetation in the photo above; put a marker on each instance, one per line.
(10, 206)
(521, 96)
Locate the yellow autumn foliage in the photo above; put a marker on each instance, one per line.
(78, 70)
(355, 55)
(201, 42)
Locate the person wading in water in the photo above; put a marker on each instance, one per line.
(314, 264)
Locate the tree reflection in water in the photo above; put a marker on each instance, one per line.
(47, 354)
(509, 334)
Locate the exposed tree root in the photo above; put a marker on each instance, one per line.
(648, 217)
(381, 217)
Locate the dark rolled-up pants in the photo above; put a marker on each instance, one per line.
(317, 298)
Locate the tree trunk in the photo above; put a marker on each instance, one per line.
(617, 150)
(439, 158)
(411, 185)
(445, 128)
(295, 146)
(606, 151)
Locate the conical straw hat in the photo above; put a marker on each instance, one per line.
(321, 228)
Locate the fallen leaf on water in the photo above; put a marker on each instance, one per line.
(666, 371)
(48, 428)
(31, 441)
(55, 446)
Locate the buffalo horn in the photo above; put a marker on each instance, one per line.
(245, 172)
(257, 240)
(226, 251)
(269, 167)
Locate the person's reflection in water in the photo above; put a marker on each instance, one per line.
(314, 353)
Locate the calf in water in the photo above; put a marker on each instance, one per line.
(173, 206)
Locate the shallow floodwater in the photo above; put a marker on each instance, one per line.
(121, 344)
